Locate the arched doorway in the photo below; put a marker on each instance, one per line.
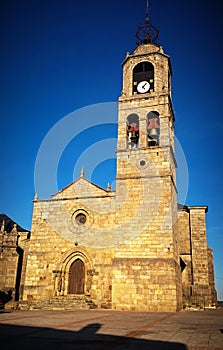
(76, 277)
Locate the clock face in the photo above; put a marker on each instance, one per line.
(143, 87)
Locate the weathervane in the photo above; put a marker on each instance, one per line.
(147, 33)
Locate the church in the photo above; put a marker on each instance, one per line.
(135, 248)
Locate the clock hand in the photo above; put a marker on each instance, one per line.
(144, 86)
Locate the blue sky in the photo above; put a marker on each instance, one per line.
(59, 56)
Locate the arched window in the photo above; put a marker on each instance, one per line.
(76, 277)
(153, 128)
(143, 72)
(132, 130)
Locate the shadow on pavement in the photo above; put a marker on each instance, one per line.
(89, 337)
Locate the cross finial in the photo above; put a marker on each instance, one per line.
(82, 172)
(147, 11)
(147, 33)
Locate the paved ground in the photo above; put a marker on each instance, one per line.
(108, 329)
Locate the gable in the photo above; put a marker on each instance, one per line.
(81, 188)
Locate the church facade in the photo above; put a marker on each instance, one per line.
(135, 248)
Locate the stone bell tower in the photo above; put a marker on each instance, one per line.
(146, 191)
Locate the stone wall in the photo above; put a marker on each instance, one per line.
(197, 259)
(145, 284)
(12, 261)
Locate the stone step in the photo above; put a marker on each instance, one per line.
(60, 303)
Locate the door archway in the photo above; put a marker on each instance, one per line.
(76, 277)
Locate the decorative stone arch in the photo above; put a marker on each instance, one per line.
(72, 261)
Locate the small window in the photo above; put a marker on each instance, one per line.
(142, 162)
(80, 219)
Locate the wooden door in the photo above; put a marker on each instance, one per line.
(76, 277)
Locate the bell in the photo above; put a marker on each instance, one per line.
(153, 133)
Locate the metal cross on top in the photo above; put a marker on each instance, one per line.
(147, 33)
